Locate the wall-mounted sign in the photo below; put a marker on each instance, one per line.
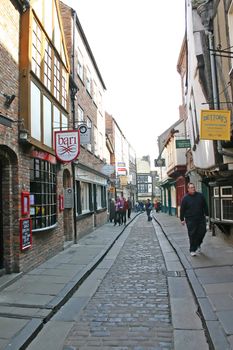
(85, 134)
(68, 198)
(215, 125)
(67, 145)
(183, 143)
(25, 233)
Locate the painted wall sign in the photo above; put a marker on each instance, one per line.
(67, 145)
(44, 156)
(215, 125)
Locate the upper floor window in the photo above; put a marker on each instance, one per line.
(88, 81)
(80, 114)
(95, 140)
(230, 24)
(142, 178)
(47, 65)
(64, 89)
(56, 78)
(36, 48)
(89, 125)
(95, 92)
(80, 65)
(45, 117)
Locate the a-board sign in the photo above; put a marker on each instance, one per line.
(25, 225)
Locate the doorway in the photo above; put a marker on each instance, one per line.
(1, 224)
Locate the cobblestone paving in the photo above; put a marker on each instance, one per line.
(130, 310)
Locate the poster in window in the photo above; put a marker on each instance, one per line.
(25, 203)
(25, 233)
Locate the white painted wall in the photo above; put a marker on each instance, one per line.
(203, 156)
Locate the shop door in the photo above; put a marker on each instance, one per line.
(1, 225)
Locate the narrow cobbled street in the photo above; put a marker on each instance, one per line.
(130, 309)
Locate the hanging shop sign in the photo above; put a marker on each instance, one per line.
(160, 162)
(67, 145)
(85, 134)
(108, 169)
(215, 125)
(124, 180)
(183, 143)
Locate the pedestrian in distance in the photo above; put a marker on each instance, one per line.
(149, 207)
(156, 206)
(112, 210)
(117, 218)
(193, 212)
(129, 207)
(124, 210)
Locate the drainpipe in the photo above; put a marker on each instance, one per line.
(74, 90)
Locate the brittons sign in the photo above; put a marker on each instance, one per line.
(67, 145)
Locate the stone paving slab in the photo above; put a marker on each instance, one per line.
(191, 340)
(210, 275)
(35, 296)
(221, 302)
(53, 337)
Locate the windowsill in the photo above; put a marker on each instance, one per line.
(48, 228)
(101, 210)
(227, 222)
(83, 216)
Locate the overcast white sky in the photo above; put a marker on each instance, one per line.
(136, 44)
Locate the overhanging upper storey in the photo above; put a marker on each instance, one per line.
(44, 72)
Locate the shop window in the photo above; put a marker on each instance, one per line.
(98, 197)
(217, 208)
(43, 198)
(84, 197)
(227, 209)
(223, 203)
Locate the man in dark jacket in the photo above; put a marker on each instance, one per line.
(193, 212)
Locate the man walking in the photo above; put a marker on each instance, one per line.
(192, 212)
(148, 209)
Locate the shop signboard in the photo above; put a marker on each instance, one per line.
(183, 143)
(215, 125)
(67, 145)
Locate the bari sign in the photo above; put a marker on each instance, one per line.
(215, 125)
(67, 145)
